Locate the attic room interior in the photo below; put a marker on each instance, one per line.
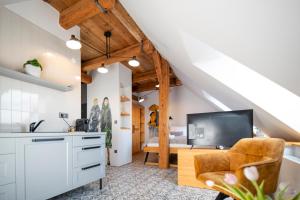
(137, 100)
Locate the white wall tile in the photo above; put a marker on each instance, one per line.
(16, 95)
(5, 120)
(5, 98)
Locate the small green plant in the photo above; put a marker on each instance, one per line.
(33, 62)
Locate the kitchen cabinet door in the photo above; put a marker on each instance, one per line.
(7, 192)
(47, 167)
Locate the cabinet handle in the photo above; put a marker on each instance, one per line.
(89, 138)
(87, 148)
(92, 166)
(48, 139)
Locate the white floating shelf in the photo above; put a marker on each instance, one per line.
(31, 79)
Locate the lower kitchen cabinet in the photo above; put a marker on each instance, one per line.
(44, 167)
(8, 192)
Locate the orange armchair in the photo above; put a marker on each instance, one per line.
(263, 153)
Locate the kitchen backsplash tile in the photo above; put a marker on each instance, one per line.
(22, 103)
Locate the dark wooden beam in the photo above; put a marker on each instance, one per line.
(118, 56)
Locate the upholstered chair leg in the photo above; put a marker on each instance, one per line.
(221, 196)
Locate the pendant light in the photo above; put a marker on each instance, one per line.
(102, 69)
(73, 43)
(133, 62)
(141, 99)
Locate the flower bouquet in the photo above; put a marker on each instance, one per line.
(231, 185)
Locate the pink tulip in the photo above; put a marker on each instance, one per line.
(231, 179)
(251, 173)
(209, 183)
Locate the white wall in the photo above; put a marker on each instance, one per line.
(108, 85)
(182, 101)
(22, 103)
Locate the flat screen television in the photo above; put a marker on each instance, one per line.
(219, 128)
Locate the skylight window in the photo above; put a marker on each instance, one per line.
(268, 95)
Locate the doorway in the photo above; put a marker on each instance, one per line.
(138, 127)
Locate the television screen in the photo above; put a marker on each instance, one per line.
(219, 128)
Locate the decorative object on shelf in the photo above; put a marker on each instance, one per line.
(32, 79)
(124, 98)
(153, 123)
(33, 68)
(106, 125)
(231, 185)
(125, 114)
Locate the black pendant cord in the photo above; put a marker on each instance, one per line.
(95, 49)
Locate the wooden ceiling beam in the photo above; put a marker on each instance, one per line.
(86, 79)
(157, 64)
(148, 76)
(123, 16)
(77, 13)
(118, 56)
(152, 85)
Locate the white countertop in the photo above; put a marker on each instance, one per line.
(48, 134)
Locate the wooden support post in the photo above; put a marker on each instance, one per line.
(163, 71)
(163, 129)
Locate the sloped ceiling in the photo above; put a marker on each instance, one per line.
(261, 36)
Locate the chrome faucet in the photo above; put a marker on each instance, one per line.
(33, 127)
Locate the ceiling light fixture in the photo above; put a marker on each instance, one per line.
(102, 69)
(73, 43)
(133, 62)
(141, 99)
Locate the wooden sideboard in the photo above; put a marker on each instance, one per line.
(186, 169)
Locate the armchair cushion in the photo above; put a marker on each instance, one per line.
(211, 162)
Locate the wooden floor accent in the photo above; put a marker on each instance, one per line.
(186, 169)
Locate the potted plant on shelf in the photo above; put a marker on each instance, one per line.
(33, 68)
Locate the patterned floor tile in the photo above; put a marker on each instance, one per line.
(136, 181)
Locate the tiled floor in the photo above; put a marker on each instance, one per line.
(138, 182)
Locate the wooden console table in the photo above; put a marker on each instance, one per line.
(186, 169)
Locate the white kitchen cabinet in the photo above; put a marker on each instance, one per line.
(84, 175)
(39, 166)
(88, 155)
(88, 140)
(46, 167)
(7, 146)
(7, 169)
(8, 192)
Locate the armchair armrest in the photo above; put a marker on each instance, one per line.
(259, 164)
(211, 162)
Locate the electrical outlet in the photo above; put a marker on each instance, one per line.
(116, 151)
(63, 115)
